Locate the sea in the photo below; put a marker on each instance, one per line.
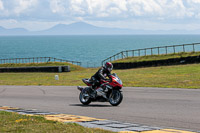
(91, 50)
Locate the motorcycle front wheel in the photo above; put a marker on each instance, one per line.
(84, 98)
(115, 98)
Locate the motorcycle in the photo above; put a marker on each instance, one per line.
(108, 91)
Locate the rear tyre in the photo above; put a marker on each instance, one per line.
(115, 98)
(84, 98)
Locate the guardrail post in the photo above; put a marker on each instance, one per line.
(133, 52)
(49, 60)
(193, 48)
(145, 52)
(166, 49)
(174, 49)
(151, 51)
(158, 50)
(139, 52)
(183, 48)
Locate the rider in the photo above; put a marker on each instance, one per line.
(102, 73)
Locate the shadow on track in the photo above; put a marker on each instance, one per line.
(91, 105)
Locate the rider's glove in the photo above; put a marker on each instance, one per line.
(109, 80)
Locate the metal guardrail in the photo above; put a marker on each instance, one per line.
(153, 51)
(36, 60)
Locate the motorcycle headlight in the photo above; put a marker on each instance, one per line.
(119, 81)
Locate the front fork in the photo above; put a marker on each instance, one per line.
(114, 91)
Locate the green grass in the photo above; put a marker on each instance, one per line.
(15, 123)
(156, 57)
(67, 78)
(72, 67)
(180, 76)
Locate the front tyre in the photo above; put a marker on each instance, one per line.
(84, 98)
(115, 98)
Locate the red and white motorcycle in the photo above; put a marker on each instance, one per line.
(109, 91)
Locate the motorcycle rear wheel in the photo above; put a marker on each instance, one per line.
(115, 98)
(85, 100)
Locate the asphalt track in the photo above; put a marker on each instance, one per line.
(161, 107)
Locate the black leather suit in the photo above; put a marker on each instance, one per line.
(102, 73)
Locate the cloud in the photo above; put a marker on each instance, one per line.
(1, 5)
(15, 8)
(24, 6)
(144, 8)
(194, 1)
(57, 6)
(159, 11)
(101, 9)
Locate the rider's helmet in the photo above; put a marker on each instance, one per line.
(108, 66)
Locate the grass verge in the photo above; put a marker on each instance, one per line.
(72, 66)
(15, 123)
(156, 57)
(180, 76)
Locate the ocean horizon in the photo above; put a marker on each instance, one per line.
(88, 49)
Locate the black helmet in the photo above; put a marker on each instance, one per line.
(108, 66)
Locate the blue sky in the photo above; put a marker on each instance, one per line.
(132, 14)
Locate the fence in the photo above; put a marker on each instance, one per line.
(155, 51)
(36, 60)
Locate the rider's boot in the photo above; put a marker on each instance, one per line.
(92, 92)
(105, 89)
(80, 88)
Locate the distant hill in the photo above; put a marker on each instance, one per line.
(82, 28)
(15, 31)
